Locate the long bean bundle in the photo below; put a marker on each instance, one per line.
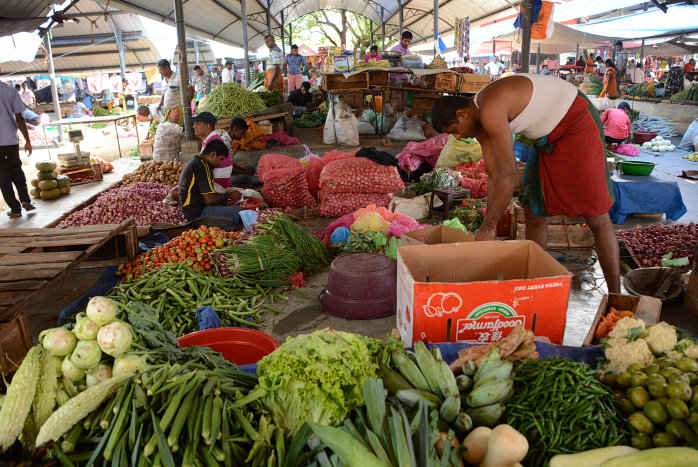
(230, 100)
(563, 408)
(264, 259)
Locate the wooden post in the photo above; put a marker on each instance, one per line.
(526, 36)
(283, 34)
(436, 27)
(382, 29)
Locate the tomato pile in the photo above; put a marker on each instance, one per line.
(192, 247)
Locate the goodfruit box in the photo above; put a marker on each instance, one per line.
(479, 291)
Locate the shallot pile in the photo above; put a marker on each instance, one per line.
(650, 243)
(140, 201)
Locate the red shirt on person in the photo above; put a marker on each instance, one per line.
(616, 123)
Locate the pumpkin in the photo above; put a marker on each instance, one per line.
(50, 194)
(63, 180)
(44, 175)
(46, 166)
(64, 190)
(35, 182)
(35, 192)
(48, 184)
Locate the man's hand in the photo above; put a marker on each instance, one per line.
(28, 148)
(486, 234)
(233, 193)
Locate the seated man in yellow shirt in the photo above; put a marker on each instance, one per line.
(248, 136)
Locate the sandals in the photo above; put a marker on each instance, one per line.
(14, 215)
(28, 206)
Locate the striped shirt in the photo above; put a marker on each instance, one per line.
(195, 181)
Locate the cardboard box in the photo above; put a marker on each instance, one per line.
(645, 308)
(478, 292)
(436, 235)
(473, 82)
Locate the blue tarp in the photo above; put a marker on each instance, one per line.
(645, 195)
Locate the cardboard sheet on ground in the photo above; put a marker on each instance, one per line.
(636, 195)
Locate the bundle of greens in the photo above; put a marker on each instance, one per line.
(471, 213)
(263, 259)
(317, 377)
(310, 120)
(270, 98)
(98, 111)
(438, 178)
(230, 100)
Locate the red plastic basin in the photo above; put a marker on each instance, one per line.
(361, 286)
(640, 137)
(241, 346)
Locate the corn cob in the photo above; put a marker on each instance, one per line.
(19, 398)
(77, 408)
(45, 397)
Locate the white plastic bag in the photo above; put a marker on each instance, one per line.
(328, 134)
(346, 126)
(690, 138)
(168, 142)
(366, 128)
(416, 208)
(407, 129)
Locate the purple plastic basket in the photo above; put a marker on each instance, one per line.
(361, 286)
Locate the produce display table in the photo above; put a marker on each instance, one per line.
(636, 195)
(32, 259)
(90, 120)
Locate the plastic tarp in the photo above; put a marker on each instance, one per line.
(646, 23)
(645, 195)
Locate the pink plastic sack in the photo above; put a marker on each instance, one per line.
(280, 136)
(359, 175)
(340, 204)
(626, 150)
(344, 221)
(270, 162)
(417, 153)
(287, 187)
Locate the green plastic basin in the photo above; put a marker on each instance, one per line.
(637, 168)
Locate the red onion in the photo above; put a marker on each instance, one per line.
(648, 244)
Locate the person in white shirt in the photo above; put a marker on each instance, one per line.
(469, 65)
(227, 75)
(28, 96)
(171, 100)
(495, 68)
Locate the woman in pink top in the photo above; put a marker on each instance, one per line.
(372, 54)
(616, 124)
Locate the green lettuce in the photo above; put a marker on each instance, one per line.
(317, 377)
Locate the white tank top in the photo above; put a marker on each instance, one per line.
(550, 100)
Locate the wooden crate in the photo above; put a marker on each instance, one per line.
(443, 81)
(15, 342)
(473, 82)
(83, 171)
(568, 233)
(31, 259)
(266, 126)
(648, 309)
(378, 78)
(338, 82)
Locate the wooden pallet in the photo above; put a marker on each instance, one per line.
(32, 259)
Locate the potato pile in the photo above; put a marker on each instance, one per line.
(166, 172)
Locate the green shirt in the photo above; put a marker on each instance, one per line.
(276, 57)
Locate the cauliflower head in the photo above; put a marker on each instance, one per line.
(623, 326)
(689, 347)
(661, 338)
(622, 354)
(674, 355)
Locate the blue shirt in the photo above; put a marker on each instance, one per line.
(295, 64)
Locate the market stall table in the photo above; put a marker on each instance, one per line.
(90, 120)
(637, 195)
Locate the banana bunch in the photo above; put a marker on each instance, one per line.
(475, 398)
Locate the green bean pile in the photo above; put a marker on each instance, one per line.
(562, 408)
(177, 291)
(230, 100)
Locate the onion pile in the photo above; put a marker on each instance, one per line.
(649, 244)
(142, 202)
(340, 204)
(359, 175)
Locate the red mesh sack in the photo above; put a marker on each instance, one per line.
(270, 162)
(287, 188)
(314, 167)
(477, 187)
(340, 204)
(359, 175)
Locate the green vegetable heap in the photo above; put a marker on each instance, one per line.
(230, 100)
(438, 178)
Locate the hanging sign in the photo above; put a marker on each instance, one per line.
(542, 28)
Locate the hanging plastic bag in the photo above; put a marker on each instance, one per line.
(328, 134)
(457, 152)
(346, 127)
(370, 222)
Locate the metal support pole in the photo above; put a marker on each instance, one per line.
(526, 36)
(245, 44)
(576, 53)
(290, 35)
(196, 51)
(52, 77)
(370, 23)
(436, 27)
(538, 59)
(401, 17)
(382, 29)
(268, 18)
(494, 47)
(122, 52)
(183, 70)
(642, 54)
(283, 33)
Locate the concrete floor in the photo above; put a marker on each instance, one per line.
(303, 313)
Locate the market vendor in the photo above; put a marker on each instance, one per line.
(246, 135)
(197, 193)
(205, 130)
(373, 55)
(302, 100)
(202, 83)
(293, 64)
(568, 176)
(274, 79)
(403, 47)
(616, 124)
(171, 100)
